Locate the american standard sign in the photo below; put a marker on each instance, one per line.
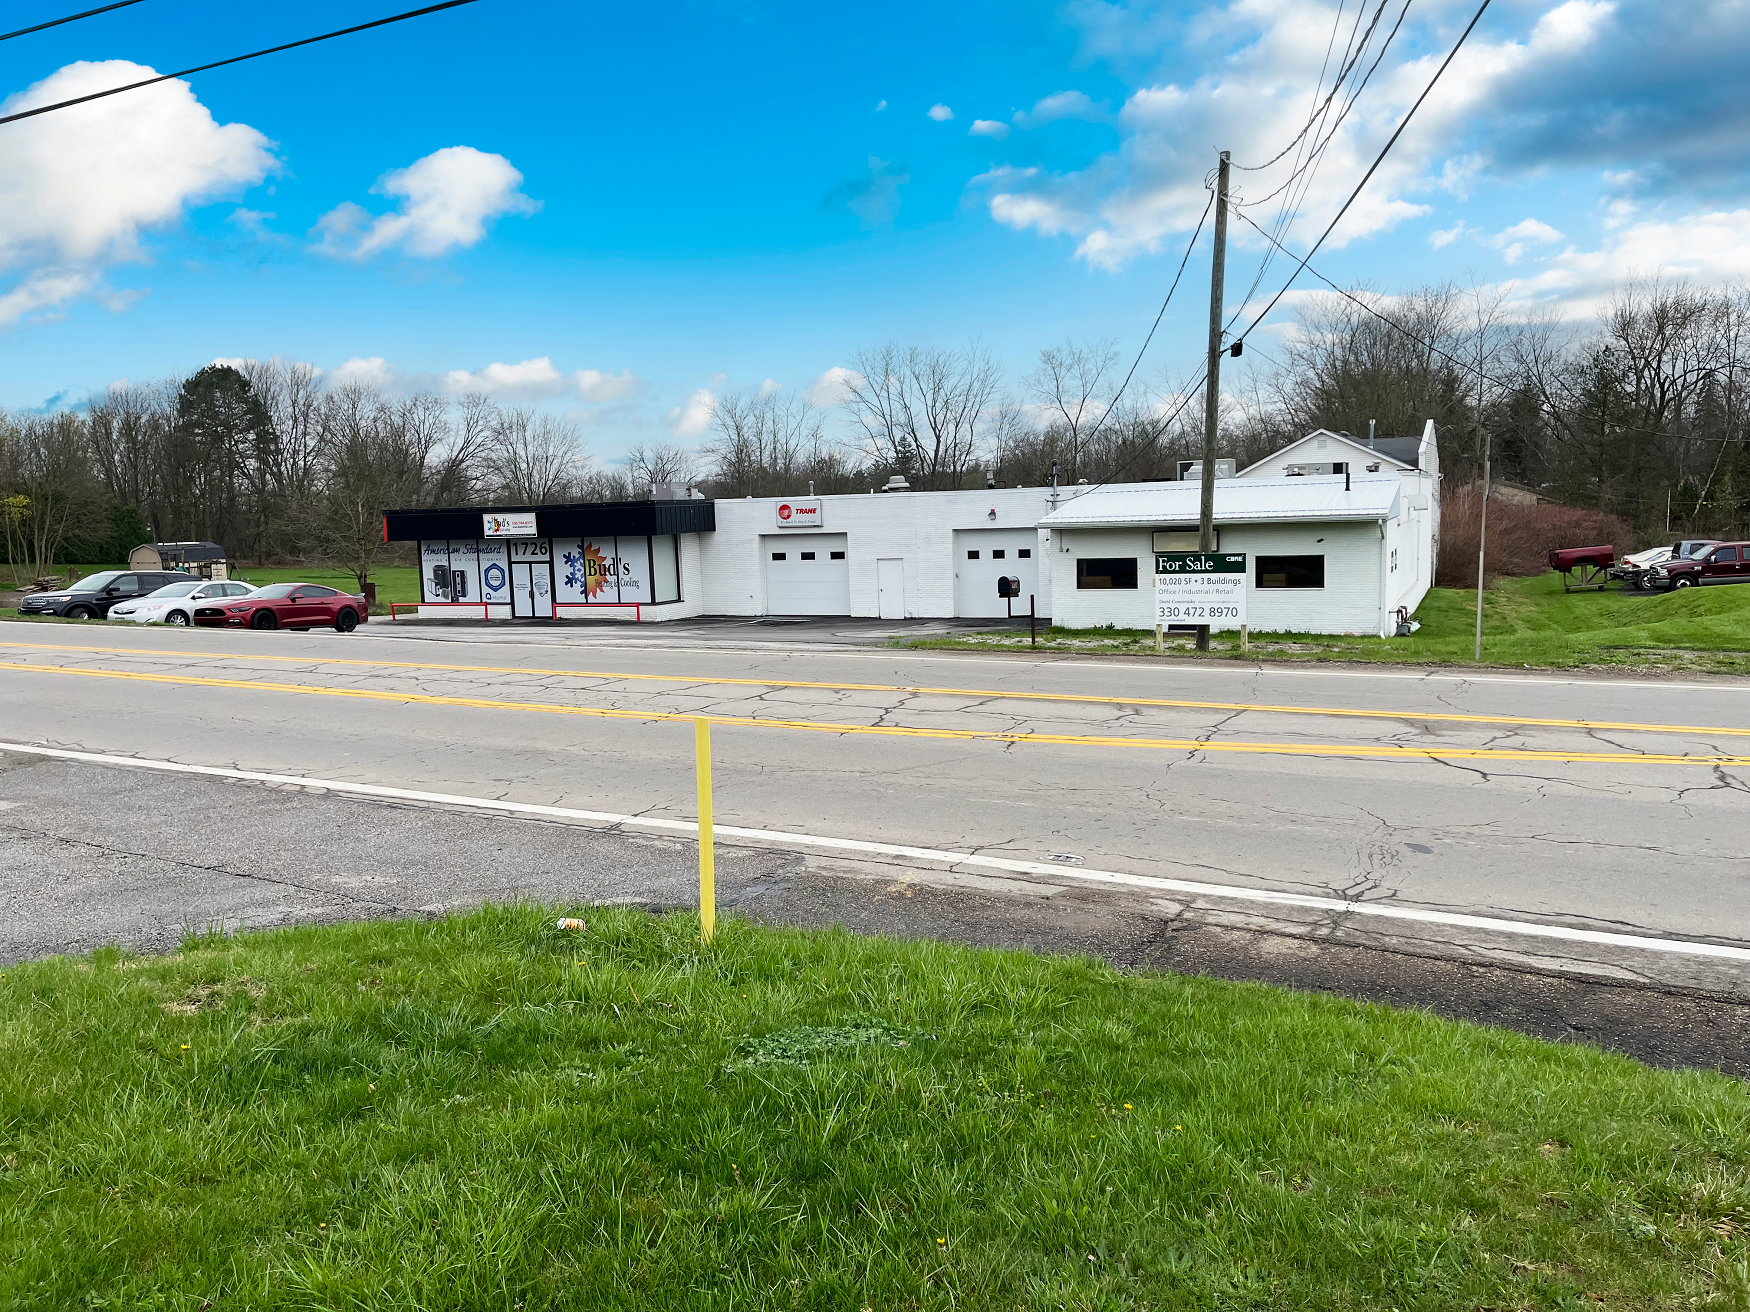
(1200, 587)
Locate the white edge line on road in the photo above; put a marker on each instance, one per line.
(1233, 892)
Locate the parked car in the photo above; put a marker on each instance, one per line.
(176, 603)
(1727, 562)
(1636, 570)
(297, 606)
(92, 596)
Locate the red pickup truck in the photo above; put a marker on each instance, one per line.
(1729, 562)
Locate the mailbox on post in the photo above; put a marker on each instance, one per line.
(1008, 587)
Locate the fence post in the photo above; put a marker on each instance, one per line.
(707, 852)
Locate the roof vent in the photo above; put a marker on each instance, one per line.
(896, 484)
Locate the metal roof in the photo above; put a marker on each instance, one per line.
(1237, 501)
(1406, 451)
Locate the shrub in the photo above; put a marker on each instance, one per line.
(1520, 537)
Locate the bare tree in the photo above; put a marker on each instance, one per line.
(663, 463)
(535, 458)
(921, 410)
(763, 445)
(1071, 384)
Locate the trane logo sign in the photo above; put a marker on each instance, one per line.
(799, 514)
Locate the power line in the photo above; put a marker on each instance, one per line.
(1365, 178)
(1457, 360)
(70, 18)
(238, 59)
(1189, 247)
(1374, 167)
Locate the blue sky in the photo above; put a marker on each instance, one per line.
(617, 212)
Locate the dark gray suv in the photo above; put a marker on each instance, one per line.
(91, 597)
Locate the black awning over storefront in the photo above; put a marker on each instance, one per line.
(588, 519)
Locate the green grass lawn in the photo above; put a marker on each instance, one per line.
(1528, 621)
(486, 1112)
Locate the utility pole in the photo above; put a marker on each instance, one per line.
(1483, 519)
(1212, 385)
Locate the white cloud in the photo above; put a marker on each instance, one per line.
(80, 188)
(1059, 105)
(368, 371)
(446, 202)
(1444, 237)
(1263, 56)
(530, 380)
(770, 387)
(1512, 242)
(831, 387)
(880, 106)
(988, 127)
(941, 113)
(694, 417)
(594, 385)
(1707, 248)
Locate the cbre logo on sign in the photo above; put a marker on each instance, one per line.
(799, 514)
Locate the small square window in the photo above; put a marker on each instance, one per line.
(836, 555)
(972, 555)
(807, 555)
(998, 554)
(778, 555)
(1025, 553)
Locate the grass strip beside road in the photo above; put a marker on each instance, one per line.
(1363, 750)
(1526, 622)
(483, 1110)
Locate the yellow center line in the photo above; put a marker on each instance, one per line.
(1370, 750)
(1443, 717)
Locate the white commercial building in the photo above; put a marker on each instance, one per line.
(1339, 540)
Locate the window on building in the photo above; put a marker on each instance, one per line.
(1106, 572)
(778, 555)
(972, 555)
(836, 555)
(998, 554)
(1339, 466)
(1394, 560)
(1025, 553)
(1291, 572)
(807, 555)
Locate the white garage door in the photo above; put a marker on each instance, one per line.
(982, 556)
(807, 574)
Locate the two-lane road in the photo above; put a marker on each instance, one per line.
(1384, 805)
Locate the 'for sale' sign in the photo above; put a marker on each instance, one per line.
(1200, 587)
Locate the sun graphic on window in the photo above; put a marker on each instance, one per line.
(595, 571)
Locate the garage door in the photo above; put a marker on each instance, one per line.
(807, 574)
(982, 556)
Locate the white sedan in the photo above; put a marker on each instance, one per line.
(174, 603)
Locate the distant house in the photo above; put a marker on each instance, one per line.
(204, 559)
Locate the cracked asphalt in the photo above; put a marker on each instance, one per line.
(1268, 786)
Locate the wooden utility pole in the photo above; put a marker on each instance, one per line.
(1212, 386)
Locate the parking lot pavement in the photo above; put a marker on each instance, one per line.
(93, 855)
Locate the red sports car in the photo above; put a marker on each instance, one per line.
(288, 606)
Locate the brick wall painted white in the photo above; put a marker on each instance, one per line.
(1348, 603)
(917, 528)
